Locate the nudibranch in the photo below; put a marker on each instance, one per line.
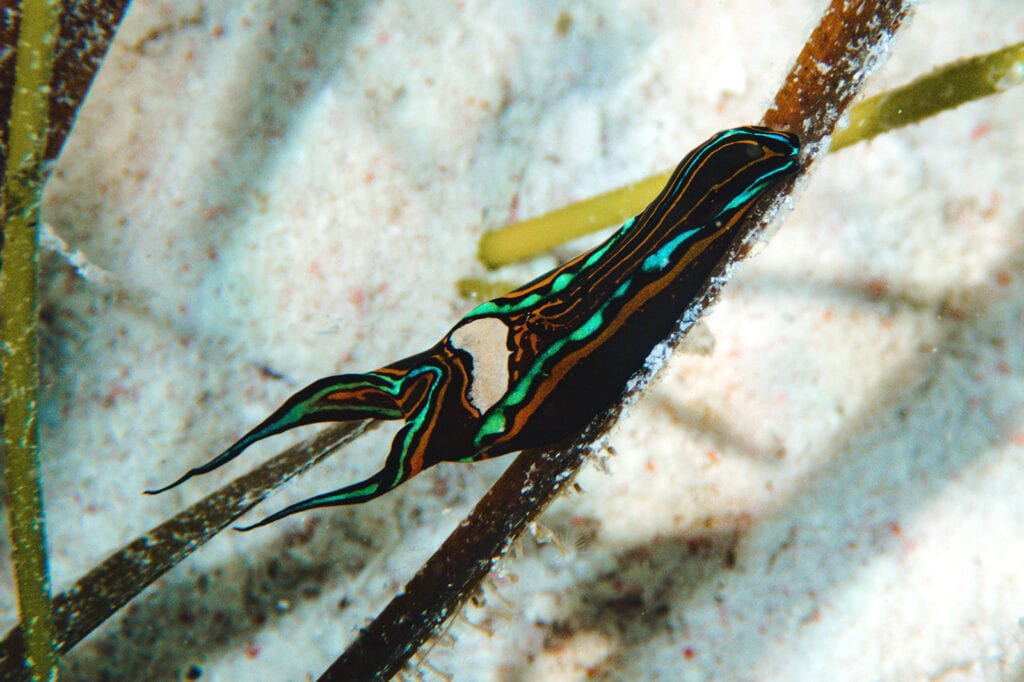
(535, 366)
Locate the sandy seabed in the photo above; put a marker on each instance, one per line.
(271, 192)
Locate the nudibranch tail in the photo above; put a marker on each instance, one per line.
(356, 493)
(345, 397)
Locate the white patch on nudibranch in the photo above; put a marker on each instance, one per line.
(486, 341)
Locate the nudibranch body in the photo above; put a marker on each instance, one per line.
(534, 367)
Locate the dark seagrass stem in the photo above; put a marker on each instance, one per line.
(122, 576)
(456, 569)
(852, 38)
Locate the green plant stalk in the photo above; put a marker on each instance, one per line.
(27, 132)
(945, 88)
(532, 236)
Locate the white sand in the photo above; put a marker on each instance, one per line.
(837, 492)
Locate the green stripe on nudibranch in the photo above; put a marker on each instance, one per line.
(535, 366)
